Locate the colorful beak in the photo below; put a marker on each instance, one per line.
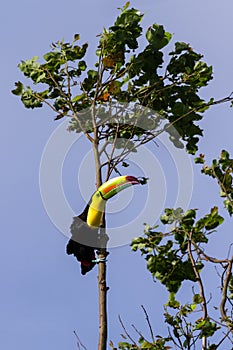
(115, 185)
(104, 192)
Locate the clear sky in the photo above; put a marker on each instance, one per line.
(43, 296)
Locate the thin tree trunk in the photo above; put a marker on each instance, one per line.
(102, 253)
(103, 329)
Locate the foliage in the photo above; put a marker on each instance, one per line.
(179, 255)
(124, 74)
(127, 99)
(221, 170)
(169, 260)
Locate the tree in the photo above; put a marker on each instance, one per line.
(125, 101)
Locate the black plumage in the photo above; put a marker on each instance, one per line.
(83, 242)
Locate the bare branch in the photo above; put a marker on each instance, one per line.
(203, 256)
(79, 343)
(199, 280)
(226, 281)
(148, 322)
(111, 154)
(127, 334)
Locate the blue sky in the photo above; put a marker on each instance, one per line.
(43, 296)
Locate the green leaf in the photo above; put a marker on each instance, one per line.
(213, 219)
(172, 302)
(76, 37)
(30, 100)
(78, 98)
(200, 159)
(19, 89)
(157, 37)
(197, 299)
(179, 47)
(82, 65)
(206, 327)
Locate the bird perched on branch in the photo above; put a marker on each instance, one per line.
(85, 227)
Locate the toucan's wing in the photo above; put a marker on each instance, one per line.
(82, 242)
(83, 253)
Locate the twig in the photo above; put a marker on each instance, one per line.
(222, 340)
(202, 293)
(223, 188)
(207, 257)
(79, 343)
(111, 154)
(148, 322)
(127, 334)
(67, 98)
(224, 295)
(229, 250)
(180, 346)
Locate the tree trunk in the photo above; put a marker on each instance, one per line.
(102, 254)
(103, 329)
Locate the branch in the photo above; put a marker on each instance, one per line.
(223, 188)
(68, 101)
(198, 277)
(199, 280)
(195, 109)
(79, 343)
(46, 102)
(149, 324)
(127, 334)
(226, 281)
(204, 256)
(109, 171)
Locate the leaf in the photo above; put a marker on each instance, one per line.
(179, 47)
(127, 4)
(108, 62)
(197, 299)
(115, 87)
(78, 98)
(82, 65)
(157, 37)
(207, 327)
(19, 89)
(200, 159)
(59, 116)
(30, 100)
(76, 37)
(104, 97)
(172, 302)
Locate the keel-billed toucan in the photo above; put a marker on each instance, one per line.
(85, 227)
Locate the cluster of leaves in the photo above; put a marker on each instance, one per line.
(186, 337)
(59, 76)
(167, 255)
(124, 75)
(222, 171)
(158, 344)
(179, 255)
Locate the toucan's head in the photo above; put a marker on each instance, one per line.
(109, 189)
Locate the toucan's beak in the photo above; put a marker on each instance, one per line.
(115, 185)
(133, 180)
(104, 192)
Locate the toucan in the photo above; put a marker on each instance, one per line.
(85, 227)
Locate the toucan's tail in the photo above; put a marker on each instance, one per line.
(83, 253)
